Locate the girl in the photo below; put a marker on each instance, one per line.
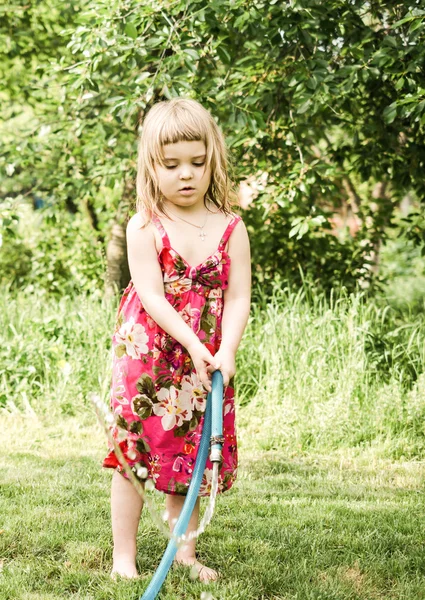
(181, 317)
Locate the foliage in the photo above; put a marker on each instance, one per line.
(324, 99)
(313, 255)
(15, 256)
(49, 250)
(403, 268)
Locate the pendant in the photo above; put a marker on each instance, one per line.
(202, 235)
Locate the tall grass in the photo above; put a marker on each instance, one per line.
(53, 352)
(313, 373)
(325, 373)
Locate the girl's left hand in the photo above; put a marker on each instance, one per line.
(225, 361)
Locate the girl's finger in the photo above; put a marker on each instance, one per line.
(225, 379)
(209, 358)
(205, 380)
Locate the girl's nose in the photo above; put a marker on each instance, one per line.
(186, 173)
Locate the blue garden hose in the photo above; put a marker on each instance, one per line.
(211, 431)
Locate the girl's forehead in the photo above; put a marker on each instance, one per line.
(184, 149)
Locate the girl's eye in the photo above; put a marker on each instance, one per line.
(194, 164)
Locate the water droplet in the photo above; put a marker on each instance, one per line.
(142, 472)
(149, 485)
(131, 454)
(207, 596)
(165, 515)
(66, 368)
(122, 435)
(193, 575)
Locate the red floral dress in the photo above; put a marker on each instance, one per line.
(156, 395)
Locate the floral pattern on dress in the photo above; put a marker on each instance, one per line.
(131, 339)
(156, 395)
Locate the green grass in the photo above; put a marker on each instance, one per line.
(329, 500)
(334, 527)
(313, 373)
(323, 374)
(54, 352)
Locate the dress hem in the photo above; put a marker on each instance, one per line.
(122, 472)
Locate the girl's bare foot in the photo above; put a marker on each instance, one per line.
(200, 571)
(124, 568)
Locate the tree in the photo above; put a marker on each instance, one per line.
(322, 101)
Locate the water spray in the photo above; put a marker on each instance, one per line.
(212, 436)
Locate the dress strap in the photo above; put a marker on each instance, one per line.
(163, 233)
(225, 238)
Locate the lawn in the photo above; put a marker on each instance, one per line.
(329, 499)
(334, 527)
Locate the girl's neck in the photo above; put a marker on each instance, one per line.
(199, 210)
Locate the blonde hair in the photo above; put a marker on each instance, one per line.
(169, 122)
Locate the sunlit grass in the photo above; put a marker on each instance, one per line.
(331, 404)
(54, 352)
(336, 527)
(338, 372)
(312, 372)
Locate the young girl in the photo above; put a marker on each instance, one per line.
(181, 317)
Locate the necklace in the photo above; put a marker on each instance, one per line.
(202, 233)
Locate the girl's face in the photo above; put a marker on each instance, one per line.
(183, 178)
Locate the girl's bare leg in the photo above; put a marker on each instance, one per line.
(186, 555)
(126, 507)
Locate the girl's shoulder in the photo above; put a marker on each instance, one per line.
(139, 227)
(137, 221)
(235, 234)
(236, 219)
(229, 216)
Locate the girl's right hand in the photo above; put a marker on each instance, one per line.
(202, 358)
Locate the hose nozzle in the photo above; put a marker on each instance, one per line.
(216, 444)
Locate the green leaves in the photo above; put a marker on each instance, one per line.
(143, 406)
(390, 113)
(308, 95)
(300, 226)
(304, 107)
(131, 30)
(416, 15)
(135, 427)
(142, 446)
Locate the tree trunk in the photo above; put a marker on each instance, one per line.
(379, 193)
(118, 272)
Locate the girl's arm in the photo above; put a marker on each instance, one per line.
(147, 279)
(237, 300)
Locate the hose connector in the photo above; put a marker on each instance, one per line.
(216, 443)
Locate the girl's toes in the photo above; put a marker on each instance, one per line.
(126, 569)
(206, 574)
(198, 570)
